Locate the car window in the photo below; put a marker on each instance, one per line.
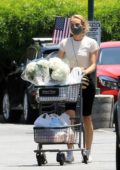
(53, 54)
(45, 53)
(109, 56)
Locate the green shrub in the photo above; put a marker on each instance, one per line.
(108, 13)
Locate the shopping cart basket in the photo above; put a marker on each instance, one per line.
(59, 93)
(71, 134)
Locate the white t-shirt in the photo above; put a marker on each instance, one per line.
(77, 53)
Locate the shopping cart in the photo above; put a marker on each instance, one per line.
(72, 134)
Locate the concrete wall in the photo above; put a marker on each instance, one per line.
(102, 113)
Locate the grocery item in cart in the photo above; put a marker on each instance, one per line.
(45, 72)
(53, 128)
(52, 120)
(75, 76)
(59, 70)
(55, 135)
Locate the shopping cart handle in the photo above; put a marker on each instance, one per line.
(56, 85)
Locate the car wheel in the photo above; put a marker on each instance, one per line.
(8, 114)
(29, 114)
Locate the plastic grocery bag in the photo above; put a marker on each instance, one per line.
(70, 136)
(42, 121)
(52, 120)
(75, 76)
(65, 118)
(55, 121)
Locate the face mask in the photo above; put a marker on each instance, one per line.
(76, 29)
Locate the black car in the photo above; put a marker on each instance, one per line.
(19, 95)
(114, 83)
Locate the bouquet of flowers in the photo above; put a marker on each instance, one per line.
(29, 72)
(58, 69)
(44, 72)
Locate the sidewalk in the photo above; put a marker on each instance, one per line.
(103, 153)
(17, 150)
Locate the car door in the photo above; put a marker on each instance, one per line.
(15, 84)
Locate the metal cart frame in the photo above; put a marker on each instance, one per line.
(59, 95)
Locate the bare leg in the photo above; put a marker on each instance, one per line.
(71, 113)
(70, 157)
(88, 126)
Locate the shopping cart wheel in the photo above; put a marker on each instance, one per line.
(60, 158)
(84, 155)
(41, 159)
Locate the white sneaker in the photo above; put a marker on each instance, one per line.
(86, 156)
(70, 157)
(89, 159)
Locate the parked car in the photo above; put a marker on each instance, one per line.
(113, 82)
(108, 64)
(19, 95)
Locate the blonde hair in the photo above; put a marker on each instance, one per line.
(84, 22)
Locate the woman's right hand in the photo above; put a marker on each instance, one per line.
(83, 70)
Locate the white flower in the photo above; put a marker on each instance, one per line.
(43, 69)
(30, 70)
(60, 70)
(54, 63)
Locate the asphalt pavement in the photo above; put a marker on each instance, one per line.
(17, 150)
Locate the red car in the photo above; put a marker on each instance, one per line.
(108, 64)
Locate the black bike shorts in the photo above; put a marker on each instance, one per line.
(88, 95)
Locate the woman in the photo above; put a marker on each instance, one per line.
(80, 50)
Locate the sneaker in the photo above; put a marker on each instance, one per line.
(86, 156)
(70, 157)
(89, 159)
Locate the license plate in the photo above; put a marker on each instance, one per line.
(49, 92)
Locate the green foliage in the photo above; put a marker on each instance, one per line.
(108, 13)
(21, 20)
